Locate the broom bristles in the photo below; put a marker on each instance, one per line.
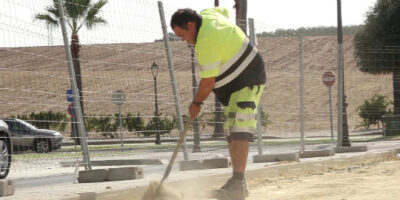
(157, 192)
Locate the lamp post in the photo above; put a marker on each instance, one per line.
(343, 130)
(154, 72)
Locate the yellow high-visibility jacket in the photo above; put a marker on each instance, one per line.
(223, 51)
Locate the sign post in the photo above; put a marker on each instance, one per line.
(70, 96)
(328, 78)
(118, 98)
(71, 109)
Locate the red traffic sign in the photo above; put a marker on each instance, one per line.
(328, 78)
(71, 110)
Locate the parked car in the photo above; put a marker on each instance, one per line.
(25, 136)
(6, 150)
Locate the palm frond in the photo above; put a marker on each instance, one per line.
(92, 18)
(95, 20)
(47, 18)
(76, 8)
(53, 11)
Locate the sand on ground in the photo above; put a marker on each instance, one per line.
(369, 181)
(366, 181)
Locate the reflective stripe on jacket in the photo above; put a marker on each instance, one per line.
(223, 51)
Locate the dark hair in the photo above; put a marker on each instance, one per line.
(182, 16)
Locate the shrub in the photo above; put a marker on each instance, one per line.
(165, 125)
(372, 110)
(46, 120)
(134, 123)
(265, 121)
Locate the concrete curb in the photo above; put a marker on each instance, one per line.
(212, 163)
(351, 149)
(112, 174)
(276, 157)
(317, 153)
(7, 187)
(117, 162)
(268, 171)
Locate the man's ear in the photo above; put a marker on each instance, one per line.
(191, 26)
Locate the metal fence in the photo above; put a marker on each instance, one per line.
(126, 103)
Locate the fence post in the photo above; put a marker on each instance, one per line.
(172, 75)
(252, 37)
(301, 71)
(78, 112)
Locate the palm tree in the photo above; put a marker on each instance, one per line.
(241, 14)
(78, 13)
(218, 116)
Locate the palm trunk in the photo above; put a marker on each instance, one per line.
(241, 14)
(219, 126)
(396, 91)
(77, 67)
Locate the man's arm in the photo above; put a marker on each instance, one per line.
(205, 87)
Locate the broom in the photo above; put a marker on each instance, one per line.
(155, 190)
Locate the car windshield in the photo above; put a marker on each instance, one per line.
(27, 124)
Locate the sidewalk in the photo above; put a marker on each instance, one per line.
(204, 138)
(121, 190)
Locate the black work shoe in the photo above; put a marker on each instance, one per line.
(232, 190)
(246, 190)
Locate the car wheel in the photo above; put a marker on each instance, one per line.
(5, 159)
(42, 146)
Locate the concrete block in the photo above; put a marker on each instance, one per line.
(317, 153)
(216, 163)
(95, 175)
(276, 157)
(7, 187)
(351, 149)
(287, 157)
(190, 165)
(126, 162)
(112, 174)
(124, 173)
(264, 158)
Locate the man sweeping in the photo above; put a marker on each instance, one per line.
(233, 69)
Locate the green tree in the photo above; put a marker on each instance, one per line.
(377, 44)
(372, 110)
(78, 13)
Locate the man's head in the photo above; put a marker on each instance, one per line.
(185, 23)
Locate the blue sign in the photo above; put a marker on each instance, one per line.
(70, 96)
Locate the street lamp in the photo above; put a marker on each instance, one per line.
(154, 72)
(343, 130)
